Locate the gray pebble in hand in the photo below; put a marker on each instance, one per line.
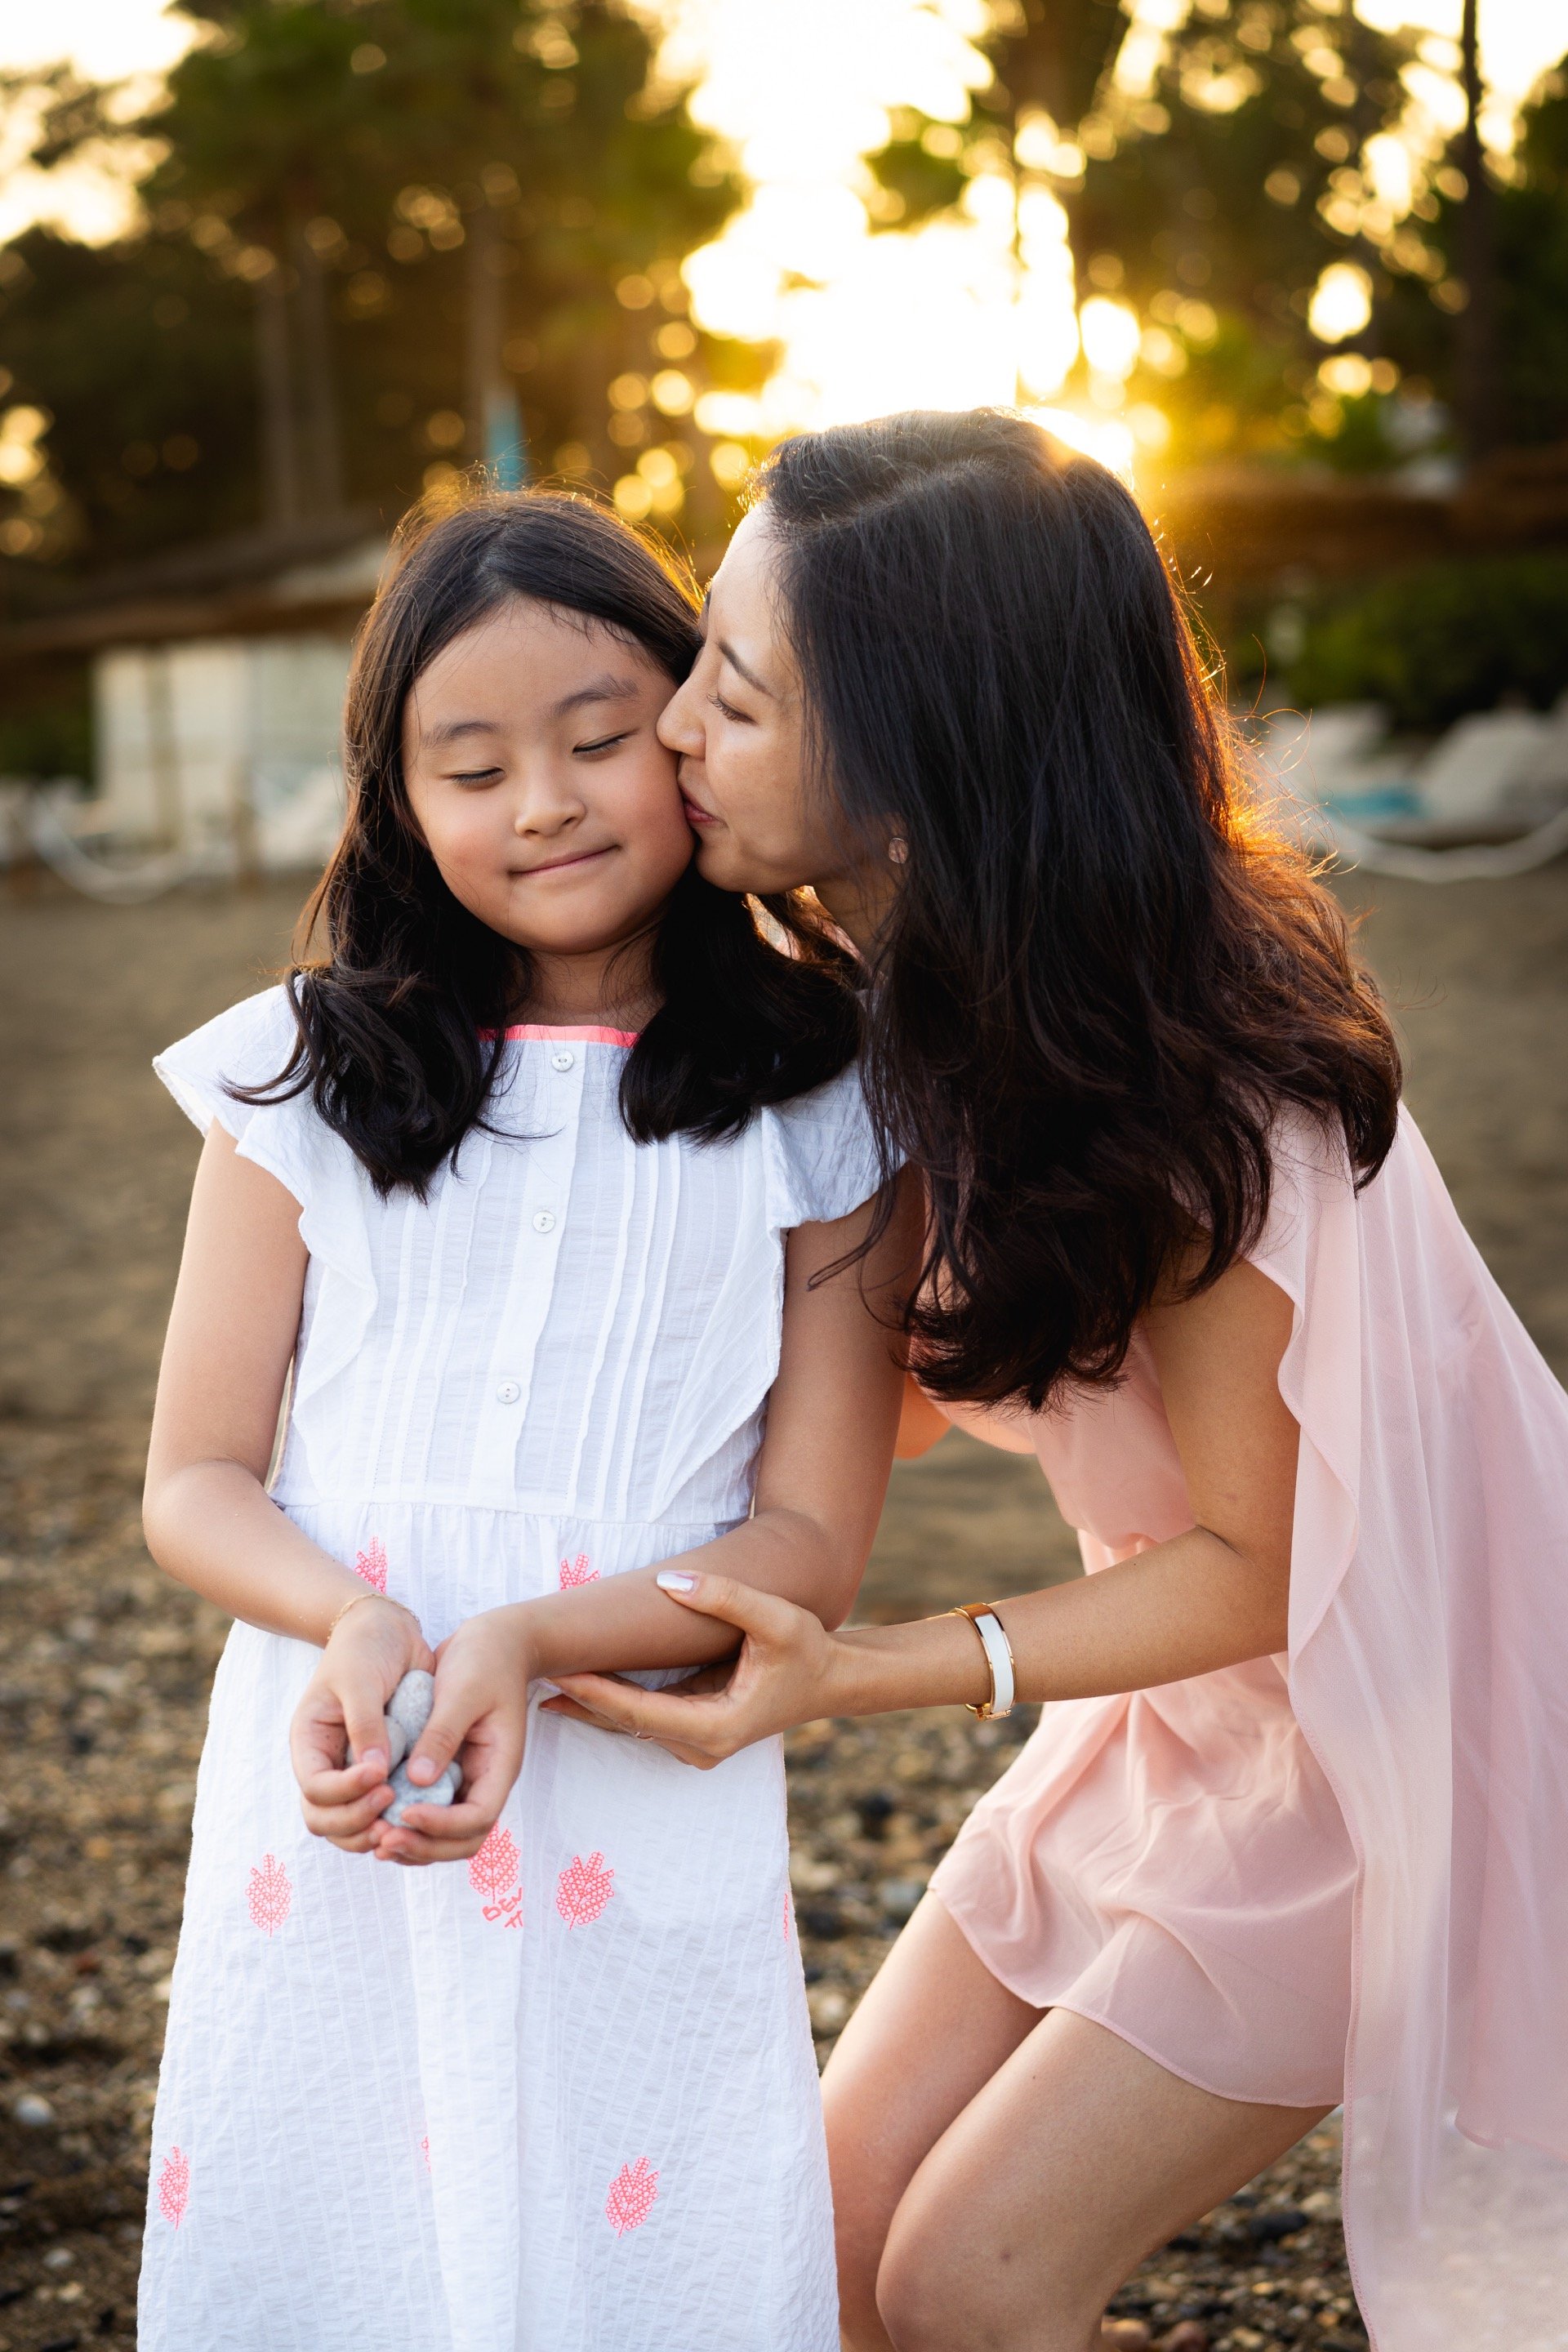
(408, 1713)
(442, 1790)
(408, 1708)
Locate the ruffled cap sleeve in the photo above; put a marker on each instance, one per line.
(248, 1045)
(822, 1156)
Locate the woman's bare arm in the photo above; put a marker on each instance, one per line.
(1210, 1598)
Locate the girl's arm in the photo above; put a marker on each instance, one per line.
(209, 1518)
(833, 1413)
(1213, 1597)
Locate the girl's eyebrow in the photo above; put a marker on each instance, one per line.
(450, 729)
(602, 689)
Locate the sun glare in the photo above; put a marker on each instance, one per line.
(977, 306)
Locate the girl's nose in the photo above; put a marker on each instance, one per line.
(680, 727)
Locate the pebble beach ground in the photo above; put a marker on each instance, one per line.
(105, 1666)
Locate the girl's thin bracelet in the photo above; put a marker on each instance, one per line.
(998, 1649)
(353, 1601)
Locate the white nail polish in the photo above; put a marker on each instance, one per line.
(669, 1580)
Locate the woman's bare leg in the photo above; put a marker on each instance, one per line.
(1041, 2158)
(933, 2030)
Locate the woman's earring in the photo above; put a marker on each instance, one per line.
(899, 850)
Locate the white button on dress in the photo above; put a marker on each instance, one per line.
(563, 1058)
(566, 2088)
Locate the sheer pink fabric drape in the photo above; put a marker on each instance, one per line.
(1429, 1671)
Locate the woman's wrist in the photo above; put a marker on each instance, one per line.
(933, 1662)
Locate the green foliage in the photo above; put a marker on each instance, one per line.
(351, 152)
(1052, 55)
(1444, 639)
(142, 356)
(1212, 205)
(46, 725)
(1222, 191)
(919, 181)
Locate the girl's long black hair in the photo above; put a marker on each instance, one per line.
(393, 1017)
(1102, 978)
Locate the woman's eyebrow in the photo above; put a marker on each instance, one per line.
(733, 658)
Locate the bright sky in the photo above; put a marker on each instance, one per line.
(933, 318)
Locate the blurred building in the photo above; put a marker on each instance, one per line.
(217, 676)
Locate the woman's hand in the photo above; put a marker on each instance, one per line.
(371, 1648)
(481, 1719)
(790, 1670)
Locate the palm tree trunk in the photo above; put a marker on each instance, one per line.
(1481, 407)
(323, 469)
(275, 400)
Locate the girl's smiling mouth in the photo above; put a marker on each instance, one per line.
(560, 865)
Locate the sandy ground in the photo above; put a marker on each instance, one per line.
(104, 1667)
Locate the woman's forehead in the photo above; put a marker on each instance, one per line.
(744, 612)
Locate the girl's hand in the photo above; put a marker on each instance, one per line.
(790, 1670)
(372, 1647)
(481, 1717)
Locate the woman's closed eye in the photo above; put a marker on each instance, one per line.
(729, 710)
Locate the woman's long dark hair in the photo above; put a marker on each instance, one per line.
(393, 1020)
(1103, 979)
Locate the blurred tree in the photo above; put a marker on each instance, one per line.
(1209, 194)
(1482, 405)
(404, 234)
(1237, 206)
(1523, 391)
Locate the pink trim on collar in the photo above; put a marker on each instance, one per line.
(539, 1031)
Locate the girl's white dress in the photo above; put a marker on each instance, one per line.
(562, 2096)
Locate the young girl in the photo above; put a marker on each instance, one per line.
(540, 1181)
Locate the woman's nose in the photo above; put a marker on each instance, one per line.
(679, 726)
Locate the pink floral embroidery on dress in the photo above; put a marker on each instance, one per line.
(425, 2150)
(577, 1572)
(371, 1564)
(789, 1916)
(175, 2188)
(270, 1896)
(633, 2193)
(493, 1873)
(583, 1889)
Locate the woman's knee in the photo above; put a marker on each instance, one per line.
(952, 2290)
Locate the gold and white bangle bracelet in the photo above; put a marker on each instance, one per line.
(998, 1649)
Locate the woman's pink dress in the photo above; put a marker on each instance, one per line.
(1344, 1872)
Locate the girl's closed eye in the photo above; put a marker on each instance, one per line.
(602, 743)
